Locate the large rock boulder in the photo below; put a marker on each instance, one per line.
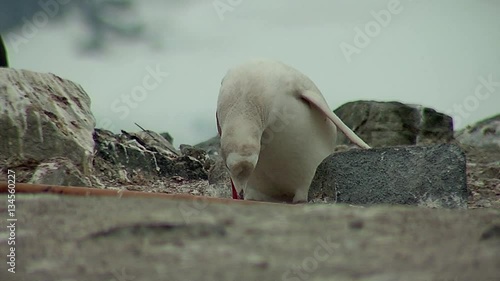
(432, 176)
(394, 123)
(481, 134)
(43, 116)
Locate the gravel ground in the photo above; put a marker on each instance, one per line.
(483, 177)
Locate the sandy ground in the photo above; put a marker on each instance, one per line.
(83, 238)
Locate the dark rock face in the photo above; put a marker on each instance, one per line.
(394, 123)
(154, 139)
(211, 146)
(481, 134)
(413, 175)
(119, 156)
(218, 173)
(3, 54)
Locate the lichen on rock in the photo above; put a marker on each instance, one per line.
(44, 116)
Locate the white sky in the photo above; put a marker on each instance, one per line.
(430, 53)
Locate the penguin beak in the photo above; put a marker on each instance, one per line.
(237, 195)
(240, 172)
(239, 180)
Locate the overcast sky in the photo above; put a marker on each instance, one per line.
(440, 54)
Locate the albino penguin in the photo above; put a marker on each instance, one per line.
(275, 129)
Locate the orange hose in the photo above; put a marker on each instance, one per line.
(89, 191)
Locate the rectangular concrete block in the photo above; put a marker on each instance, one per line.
(432, 176)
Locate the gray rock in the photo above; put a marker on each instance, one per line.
(198, 154)
(43, 116)
(168, 137)
(433, 176)
(211, 146)
(129, 154)
(154, 139)
(482, 134)
(59, 171)
(195, 152)
(218, 172)
(189, 167)
(394, 123)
